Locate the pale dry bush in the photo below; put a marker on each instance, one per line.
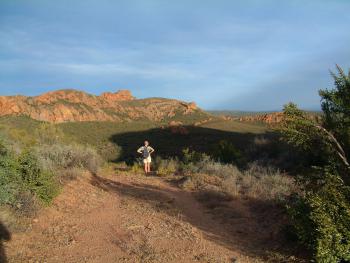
(109, 151)
(258, 182)
(265, 183)
(68, 159)
(166, 166)
(219, 169)
(211, 167)
(231, 186)
(199, 181)
(137, 168)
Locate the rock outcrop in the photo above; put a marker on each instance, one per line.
(72, 105)
(268, 118)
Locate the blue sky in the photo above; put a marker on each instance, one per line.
(241, 55)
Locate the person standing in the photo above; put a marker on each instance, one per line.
(146, 152)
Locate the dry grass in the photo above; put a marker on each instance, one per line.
(166, 166)
(68, 159)
(256, 182)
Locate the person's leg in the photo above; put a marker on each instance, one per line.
(149, 167)
(146, 168)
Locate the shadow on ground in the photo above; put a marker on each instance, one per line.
(223, 223)
(5, 235)
(170, 141)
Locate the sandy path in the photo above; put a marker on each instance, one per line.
(124, 218)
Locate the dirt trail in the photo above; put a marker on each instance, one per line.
(132, 218)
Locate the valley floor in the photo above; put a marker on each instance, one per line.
(132, 218)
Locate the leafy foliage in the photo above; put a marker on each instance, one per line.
(321, 214)
(40, 182)
(336, 108)
(227, 152)
(192, 157)
(10, 183)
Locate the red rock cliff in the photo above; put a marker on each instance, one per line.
(73, 105)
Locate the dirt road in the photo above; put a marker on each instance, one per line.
(132, 218)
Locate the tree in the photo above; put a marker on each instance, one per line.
(321, 212)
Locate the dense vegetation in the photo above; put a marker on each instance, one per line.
(34, 166)
(321, 213)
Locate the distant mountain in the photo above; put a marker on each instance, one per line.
(269, 117)
(73, 105)
(237, 113)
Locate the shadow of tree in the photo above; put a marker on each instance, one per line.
(270, 151)
(5, 235)
(221, 222)
(168, 142)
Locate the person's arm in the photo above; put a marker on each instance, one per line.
(140, 150)
(151, 149)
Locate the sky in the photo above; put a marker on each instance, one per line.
(247, 55)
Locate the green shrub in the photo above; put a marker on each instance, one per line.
(227, 152)
(192, 157)
(10, 180)
(321, 220)
(40, 182)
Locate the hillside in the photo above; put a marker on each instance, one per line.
(72, 105)
(269, 118)
(251, 116)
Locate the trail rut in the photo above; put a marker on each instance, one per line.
(131, 218)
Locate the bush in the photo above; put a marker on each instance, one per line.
(10, 180)
(210, 167)
(136, 168)
(62, 157)
(22, 175)
(192, 157)
(227, 152)
(109, 151)
(38, 181)
(198, 182)
(166, 166)
(321, 220)
(264, 183)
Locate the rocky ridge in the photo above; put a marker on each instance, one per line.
(73, 105)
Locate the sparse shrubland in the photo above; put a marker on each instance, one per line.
(200, 172)
(254, 182)
(33, 167)
(64, 158)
